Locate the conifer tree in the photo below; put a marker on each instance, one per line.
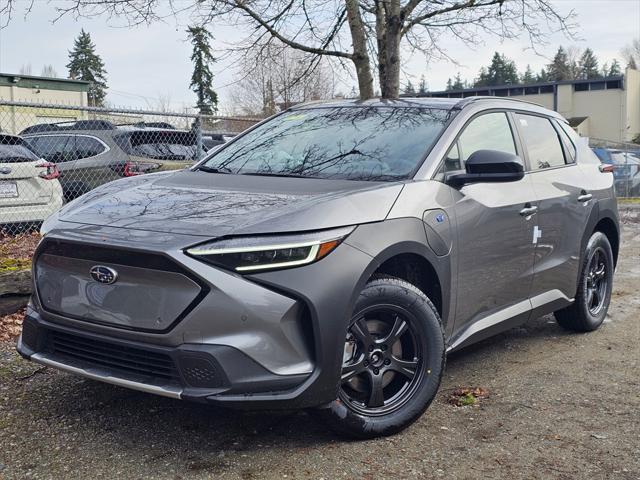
(614, 69)
(528, 76)
(202, 78)
(588, 65)
(85, 64)
(422, 86)
(409, 88)
(560, 68)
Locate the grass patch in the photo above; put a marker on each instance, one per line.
(14, 264)
(629, 200)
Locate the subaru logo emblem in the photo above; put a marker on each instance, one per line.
(103, 274)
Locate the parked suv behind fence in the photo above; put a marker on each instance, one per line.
(89, 153)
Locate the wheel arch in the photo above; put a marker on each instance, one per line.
(609, 228)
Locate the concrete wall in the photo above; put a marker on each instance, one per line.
(43, 95)
(632, 104)
(605, 111)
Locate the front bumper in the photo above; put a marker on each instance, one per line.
(190, 371)
(272, 340)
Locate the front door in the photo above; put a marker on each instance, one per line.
(495, 224)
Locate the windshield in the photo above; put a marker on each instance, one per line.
(160, 145)
(355, 143)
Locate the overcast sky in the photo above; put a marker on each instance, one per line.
(149, 63)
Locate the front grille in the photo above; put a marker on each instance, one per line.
(128, 360)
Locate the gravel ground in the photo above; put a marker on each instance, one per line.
(559, 406)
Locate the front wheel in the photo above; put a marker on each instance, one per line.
(393, 361)
(594, 288)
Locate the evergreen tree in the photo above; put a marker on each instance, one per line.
(502, 71)
(202, 78)
(614, 69)
(449, 84)
(458, 84)
(409, 89)
(543, 76)
(560, 68)
(528, 76)
(422, 86)
(588, 65)
(85, 64)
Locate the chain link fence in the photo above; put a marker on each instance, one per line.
(51, 154)
(625, 158)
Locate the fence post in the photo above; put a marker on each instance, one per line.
(198, 128)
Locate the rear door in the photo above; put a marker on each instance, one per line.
(494, 232)
(564, 206)
(20, 184)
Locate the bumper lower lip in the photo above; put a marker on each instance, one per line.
(105, 376)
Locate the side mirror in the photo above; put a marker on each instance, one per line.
(489, 166)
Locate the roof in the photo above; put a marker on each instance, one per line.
(46, 83)
(575, 121)
(507, 86)
(444, 103)
(431, 102)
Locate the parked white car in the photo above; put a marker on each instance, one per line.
(29, 186)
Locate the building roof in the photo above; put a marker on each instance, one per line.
(496, 88)
(45, 83)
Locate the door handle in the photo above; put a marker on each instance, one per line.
(528, 210)
(585, 197)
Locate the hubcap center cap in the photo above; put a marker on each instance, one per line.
(376, 358)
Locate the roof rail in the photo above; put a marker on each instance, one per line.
(471, 99)
(69, 125)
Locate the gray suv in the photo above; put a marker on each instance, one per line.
(329, 258)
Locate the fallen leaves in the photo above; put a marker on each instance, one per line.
(466, 396)
(11, 325)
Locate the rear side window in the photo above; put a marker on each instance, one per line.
(569, 147)
(86, 147)
(160, 144)
(53, 148)
(542, 142)
(490, 131)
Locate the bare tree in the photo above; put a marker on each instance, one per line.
(631, 54)
(370, 35)
(49, 71)
(274, 76)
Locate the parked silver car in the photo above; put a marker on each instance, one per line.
(330, 257)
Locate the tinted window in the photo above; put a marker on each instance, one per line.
(486, 132)
(160, 144)
(541, 140)
(88, 147)
(53, 148)
(14, 152)
(357, 143)
(569, 147)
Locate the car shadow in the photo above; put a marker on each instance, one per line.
(153, 427)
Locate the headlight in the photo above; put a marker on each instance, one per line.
(246, 254)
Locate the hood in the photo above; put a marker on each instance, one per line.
(214, 205)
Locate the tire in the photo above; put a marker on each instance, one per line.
(591, 304)
(401, 354)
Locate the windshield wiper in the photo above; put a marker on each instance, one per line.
(204, 168)
(273, 174)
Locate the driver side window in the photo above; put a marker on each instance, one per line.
(490, 131)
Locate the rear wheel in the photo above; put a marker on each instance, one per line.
(594, 289)
(393, 360)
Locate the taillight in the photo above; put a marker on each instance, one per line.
(132, 169)
(51, 172)
(606, 168)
